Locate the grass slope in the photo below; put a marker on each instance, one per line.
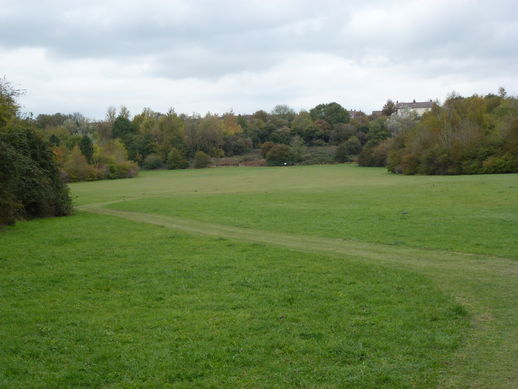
(97, 301)
(189, 306)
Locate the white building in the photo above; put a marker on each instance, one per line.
(419, 107)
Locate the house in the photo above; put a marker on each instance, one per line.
(419, 107)
(353, 114)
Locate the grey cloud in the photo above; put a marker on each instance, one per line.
(225, 30)
(252, 34)
(214, 40)
(127, 29)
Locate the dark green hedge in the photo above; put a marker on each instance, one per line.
(30, 180)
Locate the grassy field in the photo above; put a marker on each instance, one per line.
(477, 214)
(327, 276)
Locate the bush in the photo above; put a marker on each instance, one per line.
(298, 149)
(11, 207)
(507, 163)
(266, 147)
(353, 146)
(236, 145)
(30, 180)
(109, 163)
(76, 166)
(342, 154)
(176, 160)
(153, 161)
(87, 148)
(318, 155)
(123, 169)
(375, 154)
(201, 160)
(279, 154)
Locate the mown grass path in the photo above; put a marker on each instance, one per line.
(487, 286)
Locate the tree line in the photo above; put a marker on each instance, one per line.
(462, 136)
(118, 145)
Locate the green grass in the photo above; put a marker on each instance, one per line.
(97, 301)
(233, 180)
(427, 215)
(316, 276)
(477, 214)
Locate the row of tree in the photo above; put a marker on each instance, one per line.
(156, 140)
(116, 146)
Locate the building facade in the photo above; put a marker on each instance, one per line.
(419, 107)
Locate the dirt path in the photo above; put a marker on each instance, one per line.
(486, 286)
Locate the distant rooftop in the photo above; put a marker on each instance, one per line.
(414, 104)
(356, 114)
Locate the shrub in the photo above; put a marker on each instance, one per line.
(298, 149)
(201, 160)
(266, 147)
(279, 154)
(123, 169)
(472, 167)
(176, 160)
(375, 154)
(319, 157)
(216, 152)
(409, 164)
(87, 148)
(342, 154)
(236, 144)
(76, 166)
(153, 161)
(30, 180)
(507, 163)
(353, 145)
(11, 207)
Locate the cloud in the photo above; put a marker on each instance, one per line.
(212, 55)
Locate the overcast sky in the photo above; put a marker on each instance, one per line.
(200, 56)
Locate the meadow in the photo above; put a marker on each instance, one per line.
(316, 276)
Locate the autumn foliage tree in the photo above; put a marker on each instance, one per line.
(464, 136)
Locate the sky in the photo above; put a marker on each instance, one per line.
(221, 55)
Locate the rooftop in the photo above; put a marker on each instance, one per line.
(414, 104)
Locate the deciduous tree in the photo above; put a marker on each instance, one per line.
(332, 113)
(389, 108)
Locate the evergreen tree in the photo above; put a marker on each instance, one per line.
(30, 180)
(87, 148)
